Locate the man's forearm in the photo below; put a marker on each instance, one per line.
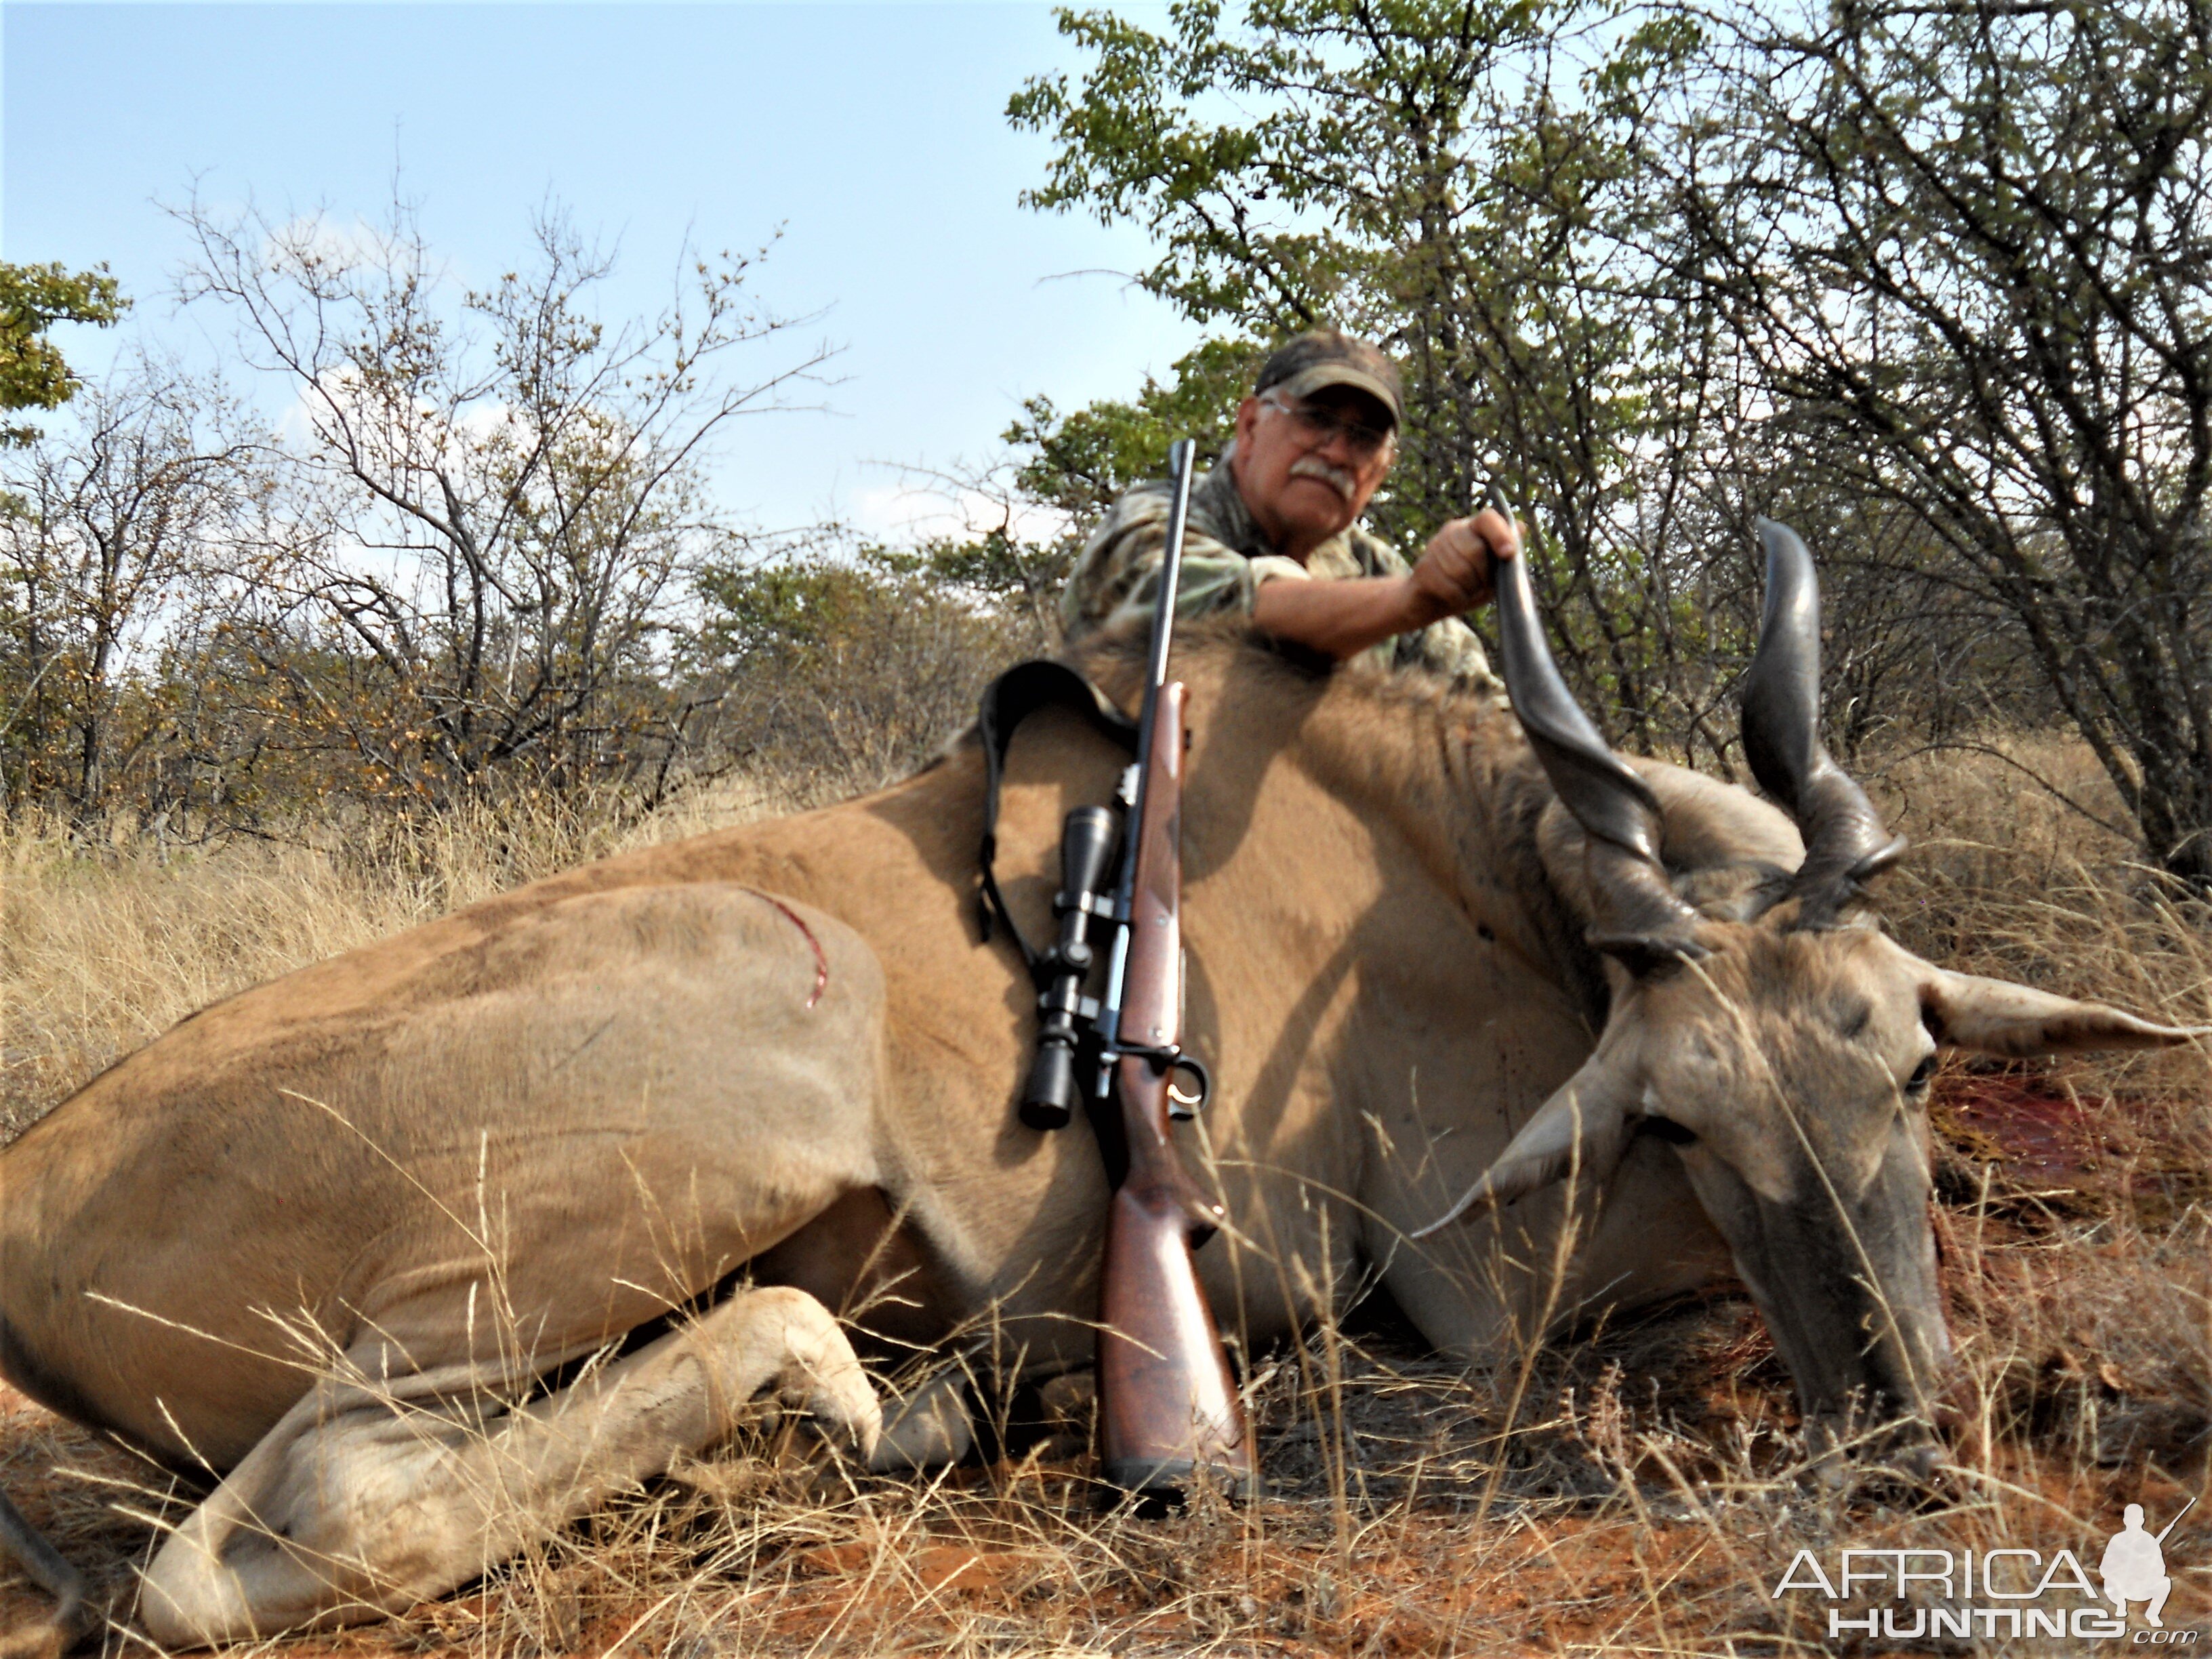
(1340, 619)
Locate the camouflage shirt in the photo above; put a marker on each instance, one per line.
(1224, 560)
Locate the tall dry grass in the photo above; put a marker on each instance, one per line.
(2007, 877)
(1635, 1486)
(106, 945)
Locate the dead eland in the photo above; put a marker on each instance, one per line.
(354, 1244)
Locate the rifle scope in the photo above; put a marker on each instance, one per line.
(1053, 1090)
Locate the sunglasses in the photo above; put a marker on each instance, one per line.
(1320, 425)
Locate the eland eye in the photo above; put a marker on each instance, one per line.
(1916, 1086)
(1674, 1133)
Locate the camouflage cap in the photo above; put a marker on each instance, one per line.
(1328, 357)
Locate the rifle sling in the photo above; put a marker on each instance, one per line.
(1011, 699)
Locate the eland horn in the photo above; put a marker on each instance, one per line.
(1845, 841)
(1640, 918)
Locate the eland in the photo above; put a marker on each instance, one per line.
(420, 1252)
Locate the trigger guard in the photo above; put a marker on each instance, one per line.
(1182, 1106)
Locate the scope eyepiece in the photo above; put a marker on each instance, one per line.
(1053, 1091)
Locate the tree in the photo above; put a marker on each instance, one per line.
(1078, 463)
(32, 299)
(120, 527)
(499, 494)
(1966, 253)
(839, 667)
(1456, 178)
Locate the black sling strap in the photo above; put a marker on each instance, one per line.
(1009, 700)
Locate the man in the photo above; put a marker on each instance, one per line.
(2134, 1568)
(1272, 532)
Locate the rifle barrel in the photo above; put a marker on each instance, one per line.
(2176, 1522)
(1182, 457)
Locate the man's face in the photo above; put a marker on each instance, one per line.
(1304, 469)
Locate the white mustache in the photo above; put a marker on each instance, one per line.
(1312, 466)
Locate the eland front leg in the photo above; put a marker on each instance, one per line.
(365, 1500)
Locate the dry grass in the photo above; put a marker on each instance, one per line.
(2005, 879)
(102, 948)
(1646, 1496)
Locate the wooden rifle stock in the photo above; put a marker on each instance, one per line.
(1168, 1406)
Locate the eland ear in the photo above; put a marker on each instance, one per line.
(1996, 1018)
(1583, 1126)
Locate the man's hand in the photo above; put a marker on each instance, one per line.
(1455, 573)
(1343, 618)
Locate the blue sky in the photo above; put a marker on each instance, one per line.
(874, 135)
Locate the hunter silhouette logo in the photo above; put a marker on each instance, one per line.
(2134, 1567)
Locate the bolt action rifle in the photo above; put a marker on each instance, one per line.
(1168, 1407)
